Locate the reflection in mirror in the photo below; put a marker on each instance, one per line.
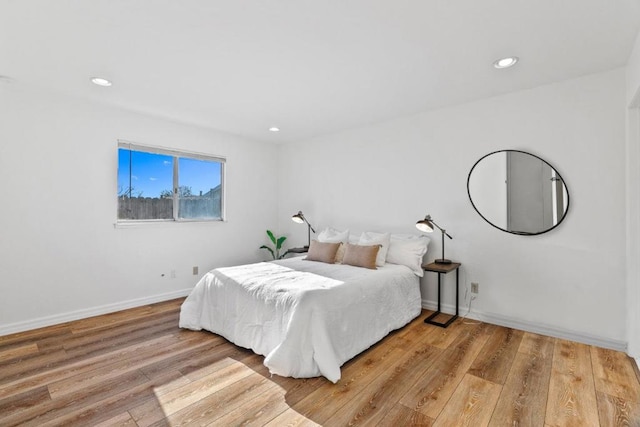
(518, 192)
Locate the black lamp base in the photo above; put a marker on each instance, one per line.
(443, 261)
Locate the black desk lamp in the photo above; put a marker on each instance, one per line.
(427, 225)
(300, 219)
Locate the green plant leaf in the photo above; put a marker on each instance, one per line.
(271, 236)
(269, 249)
(280, 242)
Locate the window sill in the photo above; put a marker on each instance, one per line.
(163, 224)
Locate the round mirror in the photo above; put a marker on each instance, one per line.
(518, 192)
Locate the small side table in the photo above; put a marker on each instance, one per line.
(442, 269)
(298, 250)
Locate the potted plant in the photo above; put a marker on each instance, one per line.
(277, 245)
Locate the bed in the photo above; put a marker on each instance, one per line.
(306, 317)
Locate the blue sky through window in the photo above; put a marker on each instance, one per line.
(152, 173)
(199, 175)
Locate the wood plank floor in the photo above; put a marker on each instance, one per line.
(137, 368)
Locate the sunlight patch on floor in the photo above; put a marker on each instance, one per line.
(222, 393)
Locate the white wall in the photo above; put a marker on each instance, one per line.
(61, 256)
(389, 175)
(633, 201)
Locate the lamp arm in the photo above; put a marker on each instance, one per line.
(309, 230)
(310, 226)
(441, 229)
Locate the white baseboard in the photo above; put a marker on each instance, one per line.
(88, 312)
(542, 329)
(637, 359)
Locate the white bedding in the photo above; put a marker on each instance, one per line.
(306, 317)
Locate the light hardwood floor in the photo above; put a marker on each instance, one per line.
(136, 367)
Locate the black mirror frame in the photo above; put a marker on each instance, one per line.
(516, 232)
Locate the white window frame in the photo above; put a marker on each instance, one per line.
(176, 154)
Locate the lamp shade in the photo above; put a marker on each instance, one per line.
(299, 218)
(425, 225)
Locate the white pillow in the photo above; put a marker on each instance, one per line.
(369, 238)
(331, 235)
(408, 250)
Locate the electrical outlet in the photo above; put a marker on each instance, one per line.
(474, 288)
(195, 270)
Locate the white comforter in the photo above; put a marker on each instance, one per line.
(306, 317)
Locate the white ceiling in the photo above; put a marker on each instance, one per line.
(308, 67)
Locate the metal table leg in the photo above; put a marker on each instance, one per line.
(452, 318)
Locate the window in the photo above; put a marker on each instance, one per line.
(156, 184)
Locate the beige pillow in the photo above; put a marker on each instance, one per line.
(369, 238)
(361, 256)
(331, 235)
(323, 252)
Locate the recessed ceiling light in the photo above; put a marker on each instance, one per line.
(274, 129)
(100, 81)
(507, 62)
